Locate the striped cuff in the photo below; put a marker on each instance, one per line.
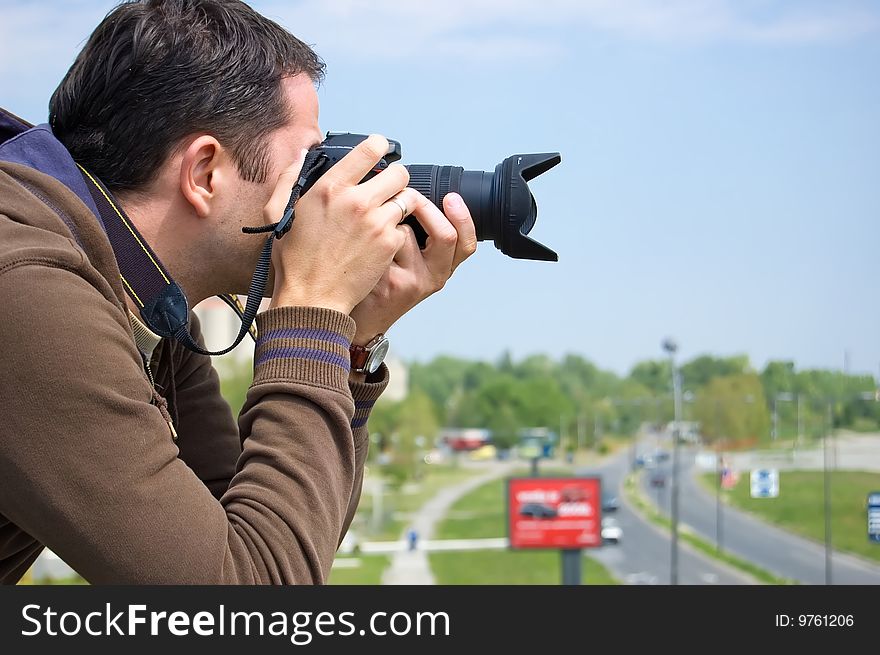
(365, 395)
(307, 344)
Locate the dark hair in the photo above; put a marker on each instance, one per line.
(155, 71)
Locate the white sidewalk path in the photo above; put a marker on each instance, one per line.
(410, 567)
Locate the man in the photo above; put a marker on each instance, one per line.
(118, 451)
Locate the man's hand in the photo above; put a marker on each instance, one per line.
(345, 234)
(416, 274)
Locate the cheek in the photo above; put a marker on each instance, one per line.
(250, 203)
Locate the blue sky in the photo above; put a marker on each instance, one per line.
(720, 165)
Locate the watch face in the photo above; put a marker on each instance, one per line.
(377, 356)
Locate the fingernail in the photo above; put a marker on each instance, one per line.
(455, 201)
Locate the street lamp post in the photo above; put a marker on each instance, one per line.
(826, 470)
(826, 487)
(800, 421)
(719, 474)
(671, 348)
(784, 396)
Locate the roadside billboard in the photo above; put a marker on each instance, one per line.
(562, 513)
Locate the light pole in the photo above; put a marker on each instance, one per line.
(784, 396)
(719, 474)
(826, 487)
(826, 470)
(671, 348)
(800, 418)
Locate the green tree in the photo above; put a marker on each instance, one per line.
(477, 408)
(654, 374)
(535, 366)
(733, 407)
(505, 427)
(699, 371)
(413, 428)
(817, 389)
(632, 405)
(439, 379)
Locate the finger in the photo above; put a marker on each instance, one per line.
(274, 209)
(389, 182)
(409, 254)
(352, 168)
(460, 216)
(393, 212)
(442, 236)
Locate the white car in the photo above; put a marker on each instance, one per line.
(612, 533)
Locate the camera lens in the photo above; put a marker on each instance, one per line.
(477, 189)
(500, 202)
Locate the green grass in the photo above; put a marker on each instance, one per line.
(480, 514)
(800, 506)
(368, 573)
(72, 580)
(649, 511)
(520, 567)
(397, 501)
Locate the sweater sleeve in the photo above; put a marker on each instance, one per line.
(89, 467)
(208, 438)
(365, 395)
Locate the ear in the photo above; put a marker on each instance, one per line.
(201, 171)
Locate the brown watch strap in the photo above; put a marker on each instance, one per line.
(359, 356)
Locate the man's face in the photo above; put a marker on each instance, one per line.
(285, 146)
(301, 131)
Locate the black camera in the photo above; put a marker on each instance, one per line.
(500, 202)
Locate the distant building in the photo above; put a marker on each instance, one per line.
(398, 380)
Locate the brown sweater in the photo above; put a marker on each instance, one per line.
(88, 463)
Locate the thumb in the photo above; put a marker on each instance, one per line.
(274, 209)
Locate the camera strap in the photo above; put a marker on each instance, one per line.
(161, 302)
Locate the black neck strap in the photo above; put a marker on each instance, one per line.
(162, 304)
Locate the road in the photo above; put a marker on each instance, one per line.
(643, 555)
(751, 539)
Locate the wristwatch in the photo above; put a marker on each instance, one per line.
(367, 359)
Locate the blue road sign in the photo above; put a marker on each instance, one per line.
(874, 516)
(764, 483)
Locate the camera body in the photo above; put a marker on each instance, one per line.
(338, 144)
(500, 202)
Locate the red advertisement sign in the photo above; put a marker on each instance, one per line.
(554, 512)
